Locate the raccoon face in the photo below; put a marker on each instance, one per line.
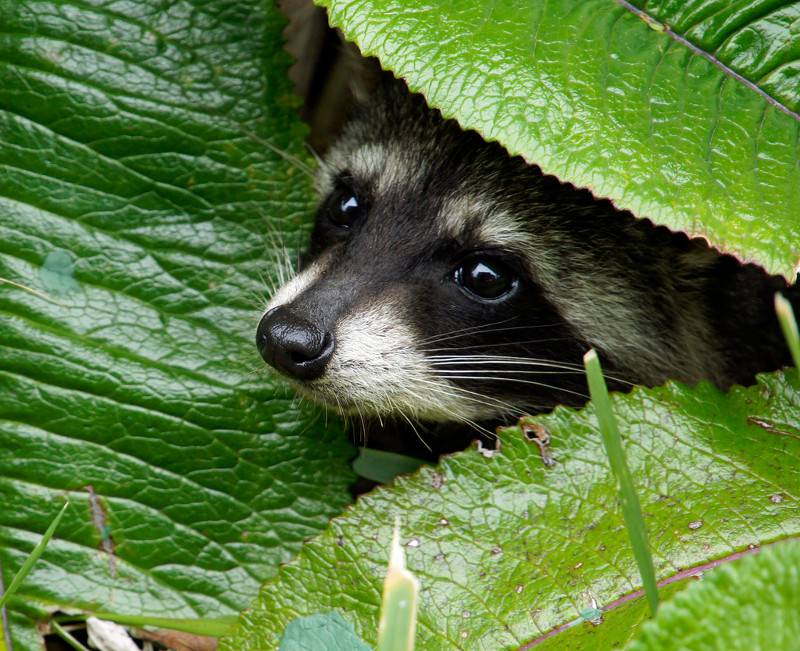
(416, 297)
(448, 281)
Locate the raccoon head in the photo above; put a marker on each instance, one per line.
(448, 281)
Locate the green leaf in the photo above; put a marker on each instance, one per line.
(616, 625)
(329, 631)
(750, 604)
(146, 188)
(686, 113)
(506, 549)
(212, 627)
(382, 466)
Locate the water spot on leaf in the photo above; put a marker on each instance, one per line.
(329, 631)
(57, 272)
(592, 614)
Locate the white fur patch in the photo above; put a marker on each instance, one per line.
(297, 285)
(367, 163)
(493, 227)
(372, 163)
(377, 369)
(458, 213)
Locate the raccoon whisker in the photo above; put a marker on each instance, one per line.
(478, 428)
(460, 417)
(444, 361)
(346, 418)
(472, 396)
(413, 427)
(499, 343)
(501, 359)
(280, 257)
(451, 392)
(561, 372)
(458, 361)
(478, 330)
(510, 371)
(492, 378)
(466, 330)
(363, 435)
(316, 156)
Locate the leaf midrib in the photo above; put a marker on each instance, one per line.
(711, 57)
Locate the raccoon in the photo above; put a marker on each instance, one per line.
(448, 282)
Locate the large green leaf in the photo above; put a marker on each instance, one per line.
(751, 604)
(686, 112)
(506, 549)
(137, 190)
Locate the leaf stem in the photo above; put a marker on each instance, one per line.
(631, 509)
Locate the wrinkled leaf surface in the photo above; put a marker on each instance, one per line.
(137, 194)
(506, 550)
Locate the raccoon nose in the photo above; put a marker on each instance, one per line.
(293, 345)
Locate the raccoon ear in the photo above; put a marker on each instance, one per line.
(362, 74)
(332, 77)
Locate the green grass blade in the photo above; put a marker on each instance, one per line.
(66, 636)
(398, 623)
(631, 509)
(785, 313)
(211, 627)
(31, 560)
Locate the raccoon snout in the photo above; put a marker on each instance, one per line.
(292, 345)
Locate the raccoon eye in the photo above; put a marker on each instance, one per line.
(485, 279)
(345, 207)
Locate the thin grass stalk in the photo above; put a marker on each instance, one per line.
(67, 636)
(32, 558)
(631, 509)
(785, 313)
(209, 627)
